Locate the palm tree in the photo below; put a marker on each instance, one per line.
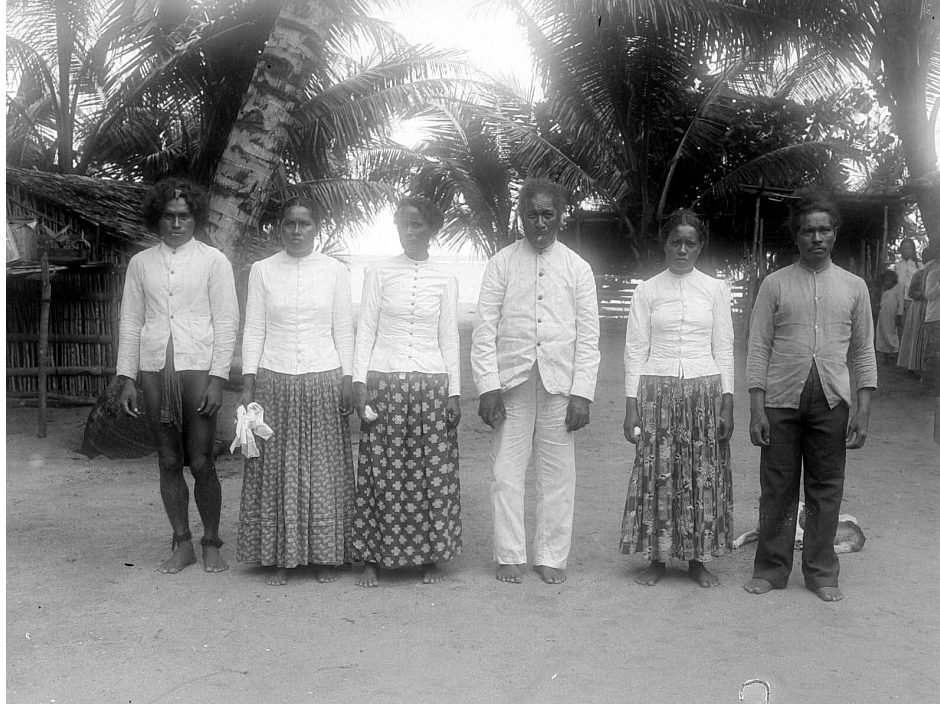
(895, 46)
(641, 96)
(308, 105)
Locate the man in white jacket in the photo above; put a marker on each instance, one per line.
(179, 318)
(535, 358)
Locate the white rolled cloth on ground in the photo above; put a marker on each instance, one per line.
(248, 423)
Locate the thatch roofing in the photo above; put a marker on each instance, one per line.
(114, 206)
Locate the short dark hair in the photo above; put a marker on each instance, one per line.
(169, 189)
(812, 200)
(889, 278)
(297, 202)
(534, 186)
(684, 216)
(430, 211)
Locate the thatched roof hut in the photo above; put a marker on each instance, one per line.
(89, 228)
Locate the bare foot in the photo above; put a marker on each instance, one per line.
(369, 577)
(183, 556)
(327, 573)
(829, 593)
(509, 573)
(758, 586)
(432, 574)
(276, 577)
(651, 575)
(551, 575)
(212, 559)
(702, 576)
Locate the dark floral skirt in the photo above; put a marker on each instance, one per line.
(297, 497)
(679, 501)
(407, 485)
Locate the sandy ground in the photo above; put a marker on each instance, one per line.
(89, 619)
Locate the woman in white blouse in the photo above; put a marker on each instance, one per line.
(679, 364)
(406, 376)
(297, 350)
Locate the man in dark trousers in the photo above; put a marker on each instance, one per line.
(810, 321)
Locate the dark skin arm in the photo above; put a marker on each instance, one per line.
(760, 426)
(491, 410)
(857, 431)
(578, 414)
(211, 400)
(127, 401)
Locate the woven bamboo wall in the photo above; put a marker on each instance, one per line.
(83, 327)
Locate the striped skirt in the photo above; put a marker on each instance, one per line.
(297, 497)
(407, 485)
(679, 501)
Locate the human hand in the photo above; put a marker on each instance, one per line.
(857, 431)
(248, 390)
(578, 414)
(631, 421)
(452, 411)
(347, 399)
(726, 418)
(759, 428)
(492, 410)
(127, 401)
(360, 397)
(211, 400)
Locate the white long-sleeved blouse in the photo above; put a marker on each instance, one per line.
(680, 325)
(298, 318)
(408, 321)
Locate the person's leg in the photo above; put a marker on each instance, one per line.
(780, 469)
(554, 485)
(510, 451)
(823, 480)
(173, 489)
(198, 439)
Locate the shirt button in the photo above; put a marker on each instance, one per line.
(540, 298)
(538, 320)
(172, 272)
(541, 273)
(171, 317)
(538, 344)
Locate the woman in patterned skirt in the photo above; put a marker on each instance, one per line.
(679, 362)
(297, 497)
(406, 377)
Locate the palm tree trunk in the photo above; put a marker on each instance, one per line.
(64, 42)
(242, 179)
(907, 45)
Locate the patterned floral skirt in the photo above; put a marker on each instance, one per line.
(297, 497)
(407, 486)
(679, 501)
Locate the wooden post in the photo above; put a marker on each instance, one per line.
(883, 249)
(45, 299)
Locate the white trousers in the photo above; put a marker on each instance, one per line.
(534, 426)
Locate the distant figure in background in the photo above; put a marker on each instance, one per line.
(179, 319)
(932, 341)
(906, 268)
(679, 372)
(911, 348)
(811, 323)
(406, 376)
(297, 350)
(535, 357)
(890, 317)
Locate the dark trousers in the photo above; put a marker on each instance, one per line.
(811, 438)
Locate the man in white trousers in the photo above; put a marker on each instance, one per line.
(534, 358)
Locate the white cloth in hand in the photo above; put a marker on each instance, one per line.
(248, 423)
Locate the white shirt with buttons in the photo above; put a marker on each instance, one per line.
(298, 318)
(537, 306)
(187, 291)
(408, 321)
(680, 325)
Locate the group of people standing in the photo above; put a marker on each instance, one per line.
(534, 358)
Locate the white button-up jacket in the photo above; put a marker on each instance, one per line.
(537, 306)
